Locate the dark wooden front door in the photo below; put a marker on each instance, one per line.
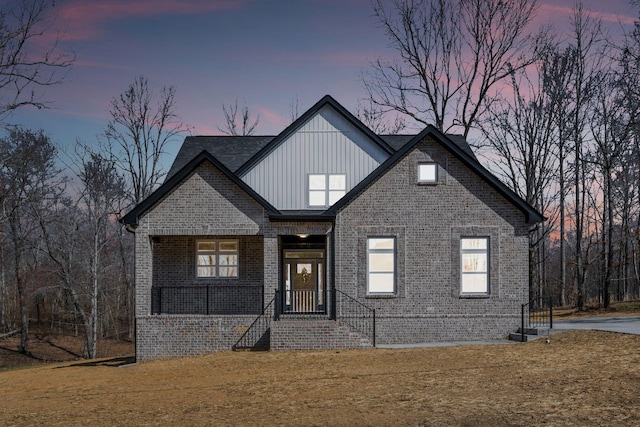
(303, 282)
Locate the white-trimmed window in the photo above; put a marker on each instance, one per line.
(217, 258)
(474, 256)
(381, 265)
(326, 189)
(427, 173)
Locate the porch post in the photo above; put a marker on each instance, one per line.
(271, 267)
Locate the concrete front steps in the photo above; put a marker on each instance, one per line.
(530, 334)
(308, 332)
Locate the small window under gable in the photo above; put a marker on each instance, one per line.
(427, 173)
(326, 189)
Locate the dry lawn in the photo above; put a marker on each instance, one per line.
(580, 378)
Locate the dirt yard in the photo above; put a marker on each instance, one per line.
(579, 378)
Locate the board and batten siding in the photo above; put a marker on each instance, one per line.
(326, 143)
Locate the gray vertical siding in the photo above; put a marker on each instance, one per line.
(327, 143)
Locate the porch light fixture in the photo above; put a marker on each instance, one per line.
(303, 236)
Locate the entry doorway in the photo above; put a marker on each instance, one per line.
(304, 289)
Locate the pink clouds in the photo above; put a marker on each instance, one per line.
(271, 118)
(552, 12)
(82, 18)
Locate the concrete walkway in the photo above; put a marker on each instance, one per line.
(622, 324)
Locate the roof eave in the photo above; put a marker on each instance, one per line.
(284, 217)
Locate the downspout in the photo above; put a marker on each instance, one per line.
(333, 269)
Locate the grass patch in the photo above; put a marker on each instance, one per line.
(579, 378)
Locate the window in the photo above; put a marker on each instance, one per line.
(427, 173)
(217, 258)
(474, 256)
(381, 265)
(326, 189)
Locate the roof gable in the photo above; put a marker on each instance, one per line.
(532, 216)
(327, 144)
(133, 216)
(327, 100)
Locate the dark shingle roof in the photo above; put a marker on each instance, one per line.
(461, 142)
(234, 155)
(396, 141)
(234, 151)
(231, 151)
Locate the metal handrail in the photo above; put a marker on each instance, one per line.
(535, 314)
(257, 329)
(357, 318)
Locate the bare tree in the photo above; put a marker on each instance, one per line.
(137, 137)
(101, 197)
(236, 124)
(587, 42)
(375, 118)
(612, 122)
(523, 132)
(294, 110)
(558, 71)
(86, 224)
(27, 175)
(24, 66)
(452, 54)
(138, 134)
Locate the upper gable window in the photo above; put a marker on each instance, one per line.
(427, 173)
(326, 189)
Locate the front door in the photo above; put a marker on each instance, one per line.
(303, 282)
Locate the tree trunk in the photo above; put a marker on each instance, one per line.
(22, 299)
(563, 255)
(606, 294)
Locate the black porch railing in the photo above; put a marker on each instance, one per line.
(537, 313)
(207, 299)
(258, 334)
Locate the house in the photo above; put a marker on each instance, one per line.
(327, 236)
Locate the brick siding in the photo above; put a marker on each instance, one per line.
(426, 220)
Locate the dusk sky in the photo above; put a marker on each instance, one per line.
(265, 53)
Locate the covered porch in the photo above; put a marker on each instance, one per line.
(237, 275)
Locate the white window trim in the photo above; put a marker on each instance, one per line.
(395, 265)
(427, 181)
(217, 253)
(327, 191)
(488, 269)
